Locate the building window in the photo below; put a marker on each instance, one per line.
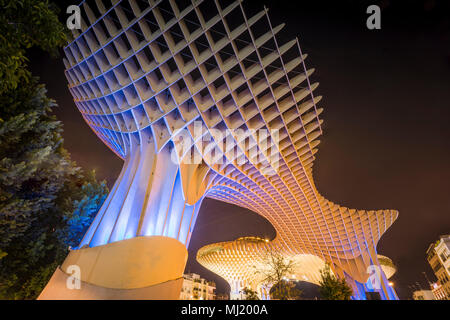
(436, 266)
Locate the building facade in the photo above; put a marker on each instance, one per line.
(423, 295)
(201, 100)
(438, 256)
(438, 291)
(196, 288)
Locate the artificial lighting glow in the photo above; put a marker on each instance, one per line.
(159, 185)
(391, 284)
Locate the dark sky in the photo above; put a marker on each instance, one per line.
(386, 142)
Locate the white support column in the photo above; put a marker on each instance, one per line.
(146, 200)
(236, 288)
(139, 238)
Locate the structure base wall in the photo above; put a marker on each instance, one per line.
(57, 289)
(137, 268)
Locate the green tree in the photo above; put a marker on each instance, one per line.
(276, 270)
(332, 288)
(81, 209)
(250, 294)
(46, 201)
(33, 164)
(285, 290)
(25, 24)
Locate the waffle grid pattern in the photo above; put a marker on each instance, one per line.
(147, 71)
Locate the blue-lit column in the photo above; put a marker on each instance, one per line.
(136, 247)
(235, 289)
(264, 291)
(147, 200)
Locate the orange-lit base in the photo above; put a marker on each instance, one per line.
(138, 268)
(56, 290)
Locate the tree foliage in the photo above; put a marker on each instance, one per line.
(285, 290)
(332, 288)
(25, 24)
(250, 294)
(33, 164)
(46, 201)
(276, 271)
(82, 205)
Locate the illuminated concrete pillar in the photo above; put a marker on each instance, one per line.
(264, 291)
(236, 289)
(147, 200)
(139, 237)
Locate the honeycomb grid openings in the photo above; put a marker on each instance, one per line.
(145, 72)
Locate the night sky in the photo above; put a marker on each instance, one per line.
(386, 142)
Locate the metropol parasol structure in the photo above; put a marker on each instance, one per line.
(200, 100)
(248, 262)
